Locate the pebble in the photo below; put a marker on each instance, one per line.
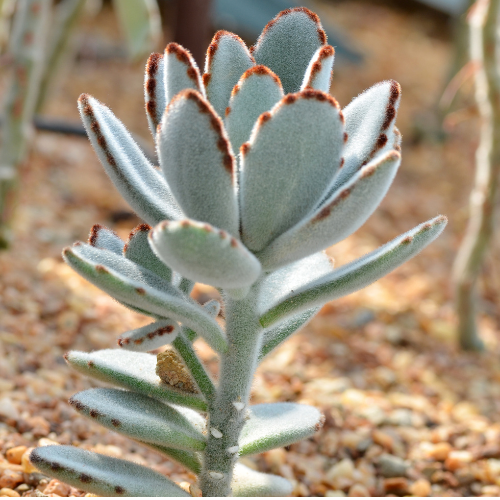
(420, 488)
(28, 467)
(7, 492)
(383, 439)
(340, 476)
(14, 455)
(396, 485)
(335, 493)
(392, 466)
(7, 408)
(458, 459)
(440, 451)
(10, 479)
(358, 490)
(57, 488)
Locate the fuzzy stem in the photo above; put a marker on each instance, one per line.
(483, 20)
(238, 365)
(195, 367)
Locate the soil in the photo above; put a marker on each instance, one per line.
(406, 412)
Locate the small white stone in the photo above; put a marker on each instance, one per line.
(233, 449)
(216, 475)
(238, 405)
(216, 433)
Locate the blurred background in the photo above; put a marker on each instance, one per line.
(407, 412)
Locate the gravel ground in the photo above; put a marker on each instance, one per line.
(406, 413)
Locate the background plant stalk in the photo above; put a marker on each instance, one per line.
(237, 368)
(483, 21)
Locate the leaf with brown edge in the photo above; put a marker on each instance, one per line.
(137, 250)
(320, 70)
(227, 59)
(141, 418)
(205, 254)
(346, 210)
(102, 475)
(369, 124)
(286, 167)
(154, 90)
(135, 371)
(287, 44)
(140, 184)
(149, 337)
(198, 162)
(257, 91)
(134, 285)
(357, 274)
(102, 237)
(180, 72)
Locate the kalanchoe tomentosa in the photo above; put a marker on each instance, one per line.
(260, 170)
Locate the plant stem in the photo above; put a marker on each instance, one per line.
(238, 365)
(483, 21)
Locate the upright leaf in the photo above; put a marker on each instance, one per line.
(102, 475)
(292, 157)
(227, 59)
(320, 70)
(369, 124)
(288, 43)
(137, 250)
(139, 183)
(154, 90)
(180, 72)
(102, 237)
(198, 162)
(205, 254)
(357, 274)
(257, 91)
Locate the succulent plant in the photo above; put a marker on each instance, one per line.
(260, 170)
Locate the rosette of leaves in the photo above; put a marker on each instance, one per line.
(260, 170)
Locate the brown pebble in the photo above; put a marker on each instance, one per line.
(382, 439)
(14, 455)
(397, 485)
(38, 426)
(10, 479)
(420, 488)
(57, 488)
(458, 459)
(358, 490)
(28, 467)
(7, 492)
(440, 451)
